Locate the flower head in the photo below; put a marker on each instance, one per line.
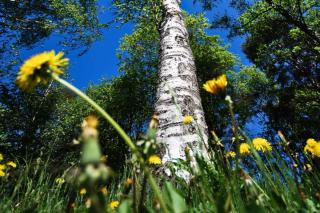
(12, 164)
(261, 144)
(38, 69)
(187, 119)
(154, 160)
(312, 147)
(59, 181)
(230, 154)
(244, 149)
(216, 85)
(83, 191)
(2, 167)
(113, 204)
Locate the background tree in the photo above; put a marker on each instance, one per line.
(24, 24)
(282, 40)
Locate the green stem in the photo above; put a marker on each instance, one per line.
(121, 132)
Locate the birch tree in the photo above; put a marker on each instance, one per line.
(178, 91)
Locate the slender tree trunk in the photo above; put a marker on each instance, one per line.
(178, 91)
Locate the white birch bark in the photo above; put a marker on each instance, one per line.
(177, 77)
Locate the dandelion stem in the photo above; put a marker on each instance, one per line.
(117, 127)
(121, 132)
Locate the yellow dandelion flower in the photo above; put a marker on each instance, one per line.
(1, 157)
(311, 143)
(113, 204)
(261, 144)
(216, 85)
(83, 191)
(230, 154)
(187, 119)
(244, 149)
(154, 160)
(316, 150)
(60, 181)
(12, 164)
(38, 68)
(2, 167)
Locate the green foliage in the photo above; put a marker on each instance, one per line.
(288, 58)
(281, 40)
(23, 25)
(248, 87)
(147, 11)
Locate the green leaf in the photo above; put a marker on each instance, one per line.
(177, 202)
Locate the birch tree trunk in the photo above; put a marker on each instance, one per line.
(178, 91)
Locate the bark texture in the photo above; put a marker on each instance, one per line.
(178, 91)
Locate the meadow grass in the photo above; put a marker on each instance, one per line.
(264, 177)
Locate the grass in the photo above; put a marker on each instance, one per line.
(259, 182)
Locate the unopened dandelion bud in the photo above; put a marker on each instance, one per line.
(154, 122)
(228, 99)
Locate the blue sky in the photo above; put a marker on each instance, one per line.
(101, 61)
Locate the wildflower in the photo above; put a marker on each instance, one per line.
(316, 150)
(154, 159)
(216, 85)
(83, 191)
(60, 181)
(2, 167)
(38, 69)
(311, 143)
(113, 204)
(261, 144)
(129, 182)
(312, 147)
(187, 119)
(295, 165)
(230, 154)
(244, 149)
(104, 190)
(12, 164)
(307, 167)
(1, 157)
(92, 121)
